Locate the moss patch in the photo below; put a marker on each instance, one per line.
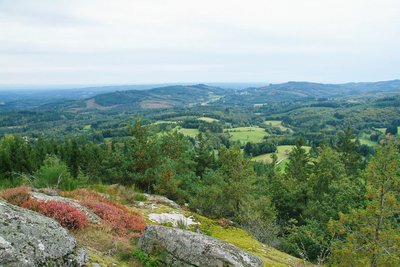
(243, 240)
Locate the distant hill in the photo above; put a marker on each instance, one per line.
(189, 95)
(308, 90)
(135, 97)
(162, 97)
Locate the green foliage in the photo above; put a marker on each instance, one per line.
(54, 173)
(204, 156)
(290, 192)
(181, 224)
(309, 202)
(348, 149)
(332, 191)
(16, 156)
(369, 236)
(258, 217)
(212, 175)
(222, 192)
(309, 241)
(393, 130)
(145, 259)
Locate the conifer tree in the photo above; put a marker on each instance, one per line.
(371, 236)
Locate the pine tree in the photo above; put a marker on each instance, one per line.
(371, 236)
(350, 157)
(204, 158)
(298, 168)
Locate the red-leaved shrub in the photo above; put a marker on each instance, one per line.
(124, 222)
(68, 216)
(86, 195)
(17, 195)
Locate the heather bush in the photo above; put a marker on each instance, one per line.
(68, 216)
(17, 195)
(121, 220)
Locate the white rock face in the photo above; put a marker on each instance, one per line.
(173, 218)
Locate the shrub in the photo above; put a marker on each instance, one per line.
(140, 197)
(68, 216)
(54, 173)
(121, 220)
(130, 195)
(181, 224)
(17, 195)
(145, 259)
(86, 195)
(224, 223)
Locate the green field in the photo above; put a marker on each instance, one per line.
(277, 124)
(382, 130)
(364, 140)
(163, 122)
(87, 127)
(246, 134)
(212, 98)
(282, 153)
(189, 132)
(207, 119)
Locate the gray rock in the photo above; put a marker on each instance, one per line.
(174, 218)
(29, 239)
(155, 199)
(178, 247)
(43, 197)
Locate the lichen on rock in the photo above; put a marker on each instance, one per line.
(173, 217)
(176, 247)
(29, 239)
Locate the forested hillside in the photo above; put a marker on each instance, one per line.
(315, 177)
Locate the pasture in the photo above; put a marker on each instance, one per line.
(246, 134)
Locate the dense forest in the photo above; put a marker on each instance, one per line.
(316, 178)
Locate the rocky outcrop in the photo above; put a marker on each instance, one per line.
(173, 218)
(178, 247)
(152, 201)
(30, 239)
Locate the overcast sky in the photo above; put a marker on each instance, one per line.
(167, 41)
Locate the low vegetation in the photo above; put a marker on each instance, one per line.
(67, 215)
(246, 134)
